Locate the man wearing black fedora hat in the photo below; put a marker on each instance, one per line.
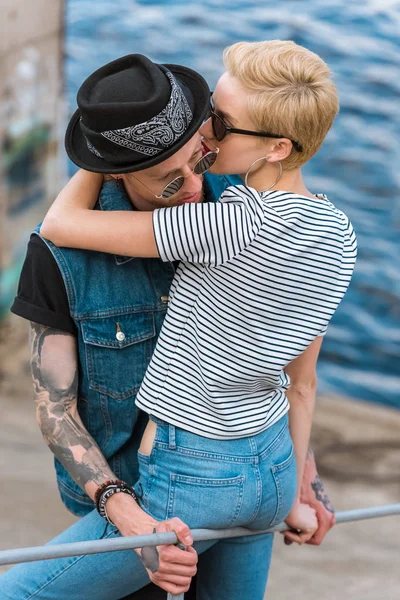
(94, 323)
(134, 114)
(137, 123)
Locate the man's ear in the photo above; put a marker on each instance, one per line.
(280, 150)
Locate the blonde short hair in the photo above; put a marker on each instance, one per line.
(291, 92)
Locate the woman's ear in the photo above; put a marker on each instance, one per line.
(281, 149)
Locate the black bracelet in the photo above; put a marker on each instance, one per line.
(108, 491)
(101, 488)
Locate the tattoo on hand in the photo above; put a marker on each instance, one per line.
(149, 557)
(55, 389)
(320, 494)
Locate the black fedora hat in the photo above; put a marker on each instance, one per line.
(133, 114)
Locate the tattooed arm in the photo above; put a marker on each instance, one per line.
(55, 383)
(54, 367)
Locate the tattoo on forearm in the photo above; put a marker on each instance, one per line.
(321, 495)
(149, 557)
(55, 390)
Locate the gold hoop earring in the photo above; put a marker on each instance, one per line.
(272, 184)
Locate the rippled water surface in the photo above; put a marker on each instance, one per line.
(358, 166)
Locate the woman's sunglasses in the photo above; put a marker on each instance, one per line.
(221, 129)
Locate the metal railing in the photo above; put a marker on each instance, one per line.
(18, 555)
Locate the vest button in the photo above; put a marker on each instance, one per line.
(120, 336)
(164, 299)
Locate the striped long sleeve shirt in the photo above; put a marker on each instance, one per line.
(261, 275)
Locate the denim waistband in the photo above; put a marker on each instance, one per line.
(176, 437)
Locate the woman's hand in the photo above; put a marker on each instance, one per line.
(303, 520)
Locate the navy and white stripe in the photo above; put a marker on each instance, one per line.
(261, 275)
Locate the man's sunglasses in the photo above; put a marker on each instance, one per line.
(221, 129)
(200, 167)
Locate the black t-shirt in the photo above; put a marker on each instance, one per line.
(42, 296)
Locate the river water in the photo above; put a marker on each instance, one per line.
(357, 167)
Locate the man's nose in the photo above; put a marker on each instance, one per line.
(193, 183)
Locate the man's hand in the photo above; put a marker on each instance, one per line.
(313, 494)
(303, 520)
(169, 567)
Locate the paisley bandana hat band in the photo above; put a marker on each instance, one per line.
(159, 133)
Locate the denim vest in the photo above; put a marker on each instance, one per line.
(118, 305)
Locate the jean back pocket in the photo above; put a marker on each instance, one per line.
(200, 502)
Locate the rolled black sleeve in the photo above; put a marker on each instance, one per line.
(41, 296)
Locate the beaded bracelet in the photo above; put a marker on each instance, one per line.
(108, 489)
(101, 488)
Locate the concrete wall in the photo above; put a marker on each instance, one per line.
(31, 123)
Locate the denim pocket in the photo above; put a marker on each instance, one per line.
(201, 502)
(118, 349)
(284, 475)
(145, 482)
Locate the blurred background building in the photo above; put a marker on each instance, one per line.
(31, 118)
(48, 47)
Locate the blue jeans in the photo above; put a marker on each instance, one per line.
(248, 482)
